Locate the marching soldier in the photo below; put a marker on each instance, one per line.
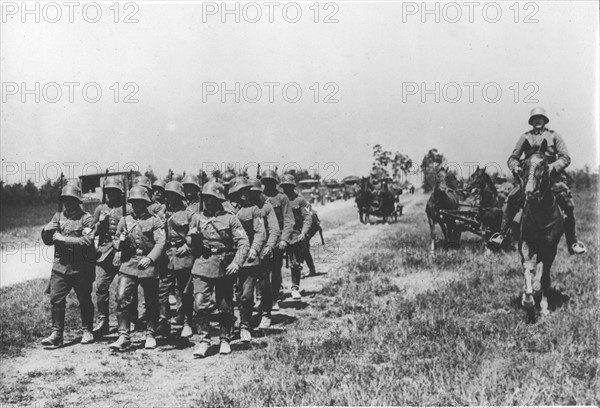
(559, 158)
(251, 219)
(297, 242)
(179, 260)
(191, 188)
(106, 219)
(273, 235)
(71, 232)
(228, 176)
(139, 242)
(155, 208)
(220, 245)
(158, 193)
(285, 218)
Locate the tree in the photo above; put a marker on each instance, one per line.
(386, 164)
(429, 167)
(150, 174)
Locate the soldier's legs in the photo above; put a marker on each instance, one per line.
(224, 298)
(276, 279)
(150, 286)
(83, 285)
(309, 259)
(203, 290)
(165, 285)
(185, 287)
(514, 202)
(128, 287)
(247, 280)
(296, 253)
(60, 286)
(266, 294)
(105, 274)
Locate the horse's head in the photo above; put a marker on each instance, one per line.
(536, 175)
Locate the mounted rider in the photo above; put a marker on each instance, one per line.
(559, 159)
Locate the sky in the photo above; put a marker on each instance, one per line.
(367, 73)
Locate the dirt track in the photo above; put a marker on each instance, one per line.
(169, 375)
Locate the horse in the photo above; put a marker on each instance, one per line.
(541, 228)
(442, 198)
(363, 199)
(490, 203)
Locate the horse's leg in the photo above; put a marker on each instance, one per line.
(529, 267)
(432, 233)
(445, 232)
(549, 254)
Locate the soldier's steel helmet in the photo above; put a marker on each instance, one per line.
(538, 111)
(288, 179)
(114, 183)
(142, 181)
(176, 177)
(238, 183)
(139, 193)
(227, 177)
(191, 179)
(175, 187)
(214, 189)
(256, 185)
(159, 184)
(269, 175)
(71, 190)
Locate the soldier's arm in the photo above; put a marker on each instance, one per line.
(87, 233)
(240, 240)
(117, 237)
(563, 159)
(514, 159)
(306, 216)
(274, 230)
(260, 233)
(49, 230)
(288, 219)
(159, 239)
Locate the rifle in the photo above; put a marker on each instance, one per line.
(200, 200)
(287, 259)
(170, 176)
(103, 190)
(321, 235)
(60, 205)
(258, 171)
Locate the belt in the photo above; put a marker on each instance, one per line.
(216, 251)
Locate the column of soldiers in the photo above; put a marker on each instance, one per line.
(215, 244)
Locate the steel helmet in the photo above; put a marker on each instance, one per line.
(538, 111)
(238, 183)
(114, 183)
(176, 177)
(214, 189)
(71, 190)
(175, 187)
(191, 179)
(142, 181)
(288, 179)
(256, 185)
(269, 174)
(227, 177)
(159, 184)
(139, 193)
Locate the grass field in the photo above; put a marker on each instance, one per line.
(23, 224)
(394, 327)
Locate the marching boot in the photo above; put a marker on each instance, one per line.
(55, 339)
(101, 327)
(164, 327)
(224, 348)
(88, 337)
(202, 349)
(122, 344)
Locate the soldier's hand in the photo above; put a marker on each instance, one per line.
(517, 171)
(267, 252)
(117, 259)
(181, 251)
(58, 237)
(102, 217)
(144, 263)
(283, 245)
(52, 226)
(301, 237)
(232, 269)
(252, 255)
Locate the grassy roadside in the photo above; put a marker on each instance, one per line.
(22, 225)
(383, 332)
(464, 343)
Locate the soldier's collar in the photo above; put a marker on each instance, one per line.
(535, 131)
(142, 216)
(75, 214)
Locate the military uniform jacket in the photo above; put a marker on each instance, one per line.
(107, 229)
(252, 221)
(194, 207)
(77, 253)
(302, 217)
(285, 216)
(144, 237)
(557, 152)
(177, 226)
(157, 209)
(271, 224)
(216, 240)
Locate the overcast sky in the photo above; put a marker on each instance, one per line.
(371, 59)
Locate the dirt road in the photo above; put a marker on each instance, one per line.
(170, 375)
